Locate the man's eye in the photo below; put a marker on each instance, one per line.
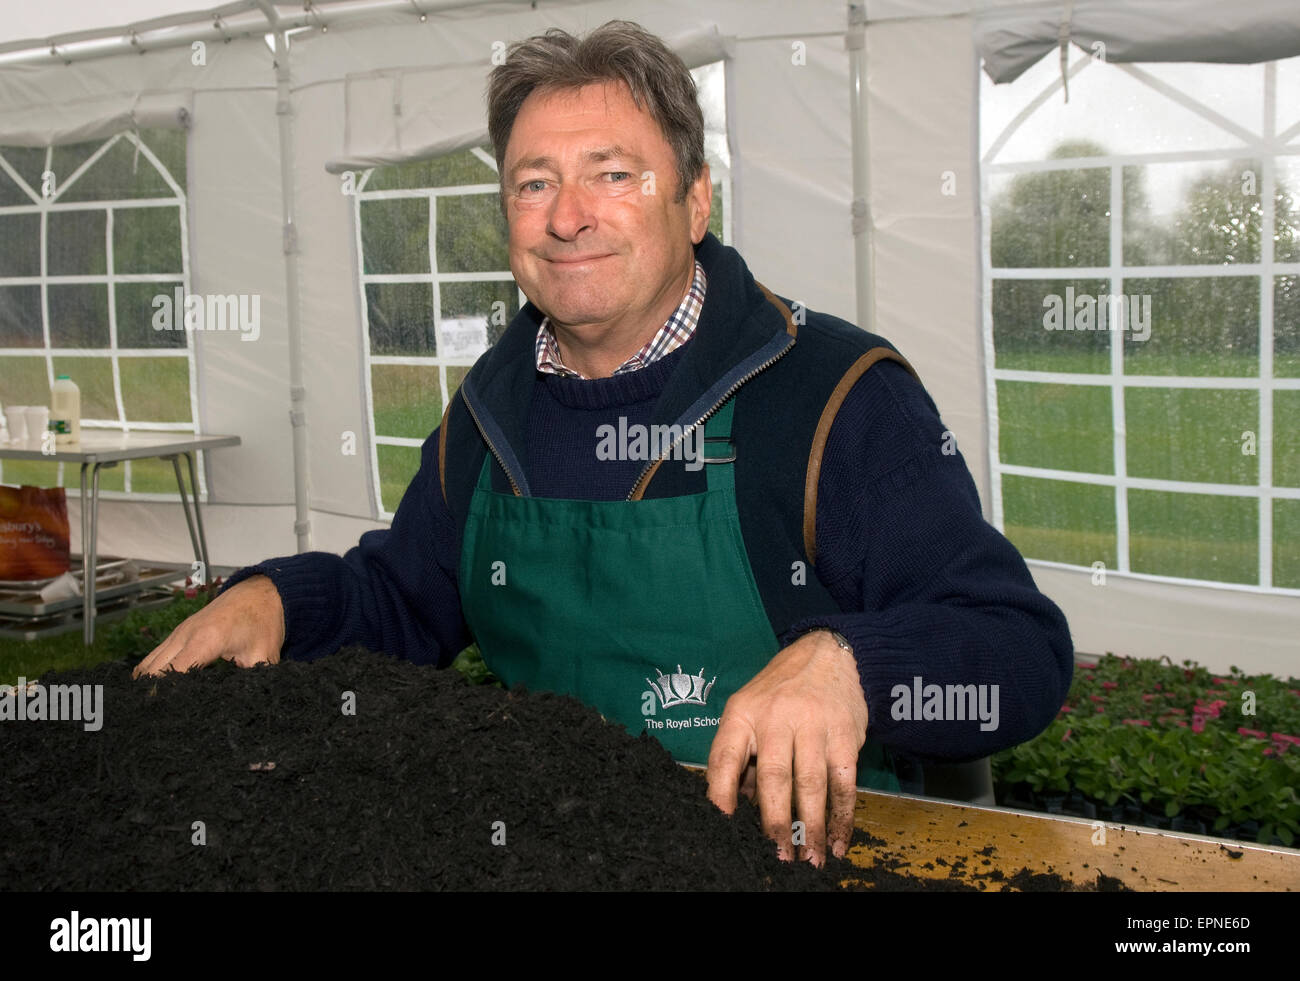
(533, 187)
(619, 176)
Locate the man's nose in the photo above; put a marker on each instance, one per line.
(572, 211)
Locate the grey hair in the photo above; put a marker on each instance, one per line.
(619, 50)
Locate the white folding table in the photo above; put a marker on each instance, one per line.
(99, 448)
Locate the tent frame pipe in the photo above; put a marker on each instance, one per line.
(297, 391)
(864, 278)
(222, 24)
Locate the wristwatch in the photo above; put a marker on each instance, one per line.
(840, 639)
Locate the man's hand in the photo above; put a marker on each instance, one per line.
(803, 719)
(245, 624)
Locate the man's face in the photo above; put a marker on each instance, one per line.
(588, 246)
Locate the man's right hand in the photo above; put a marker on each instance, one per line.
(245, 624)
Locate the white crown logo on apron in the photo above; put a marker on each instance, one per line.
(679, 688)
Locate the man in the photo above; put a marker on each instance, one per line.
(817, 556)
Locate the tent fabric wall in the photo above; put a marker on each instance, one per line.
(789, 130)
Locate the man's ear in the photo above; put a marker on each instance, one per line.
(699, 204)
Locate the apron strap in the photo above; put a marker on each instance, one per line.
(719, 451)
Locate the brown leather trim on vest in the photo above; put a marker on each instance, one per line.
(858, 369)
(442, 450)
(790, 328)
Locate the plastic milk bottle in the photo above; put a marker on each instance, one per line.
(65, 412)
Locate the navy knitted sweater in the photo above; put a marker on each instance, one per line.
(944, 597)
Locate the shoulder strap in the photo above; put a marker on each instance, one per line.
(823, 432)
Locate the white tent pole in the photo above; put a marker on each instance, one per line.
(863, 260)
(297, 392)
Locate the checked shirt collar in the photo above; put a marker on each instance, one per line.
(675, 332)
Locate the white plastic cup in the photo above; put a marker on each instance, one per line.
(38, 420)
(16, 417)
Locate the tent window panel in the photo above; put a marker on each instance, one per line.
(169, 146)
(1286, 544)
(77, 243)
(33, 473)
(455, 375)
(78, 315)
(1200, 213)
(717, 224)
(1286, 440)
(94, 376)
(136, 310)
(395, 235)
(401, 318)
(472, 234)
(1192, 434)
(147, 240)
(1058, 427)
(1035, 320)
(1201, 325)
(66, 159)
(1194, 536)
(120, 174)
(154, 476)
(1286, 327)
(407, 399)
(1050, 219)
(10, 193)
(398, 466)
(155, 389)
(20, 245)
(1061, 521)
(493, 302)
(30, 164)
(23, 381)
(451, 170)
(1286, 212)
(20, 317)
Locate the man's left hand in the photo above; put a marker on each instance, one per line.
(797, 728)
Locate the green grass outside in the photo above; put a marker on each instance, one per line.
(1195, 435)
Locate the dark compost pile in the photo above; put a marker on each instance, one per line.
(257, 779)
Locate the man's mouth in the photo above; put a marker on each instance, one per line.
(577, 260)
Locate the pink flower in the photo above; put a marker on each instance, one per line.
(1067, 735)
(1109, 685)
(1136, 722)
(1253, 732)
(1183, 724)
(1086, 667)
(1198, 723)
(1066, 708)
(1100, 710)
(1147, 698)
(1220, 681)
(1216, 691)
(1097, 698)
(1281, 738)
(1159, 687)
(1268, 752)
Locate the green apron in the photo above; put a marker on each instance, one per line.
(645, 610)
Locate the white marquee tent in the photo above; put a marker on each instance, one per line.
(858, 150)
